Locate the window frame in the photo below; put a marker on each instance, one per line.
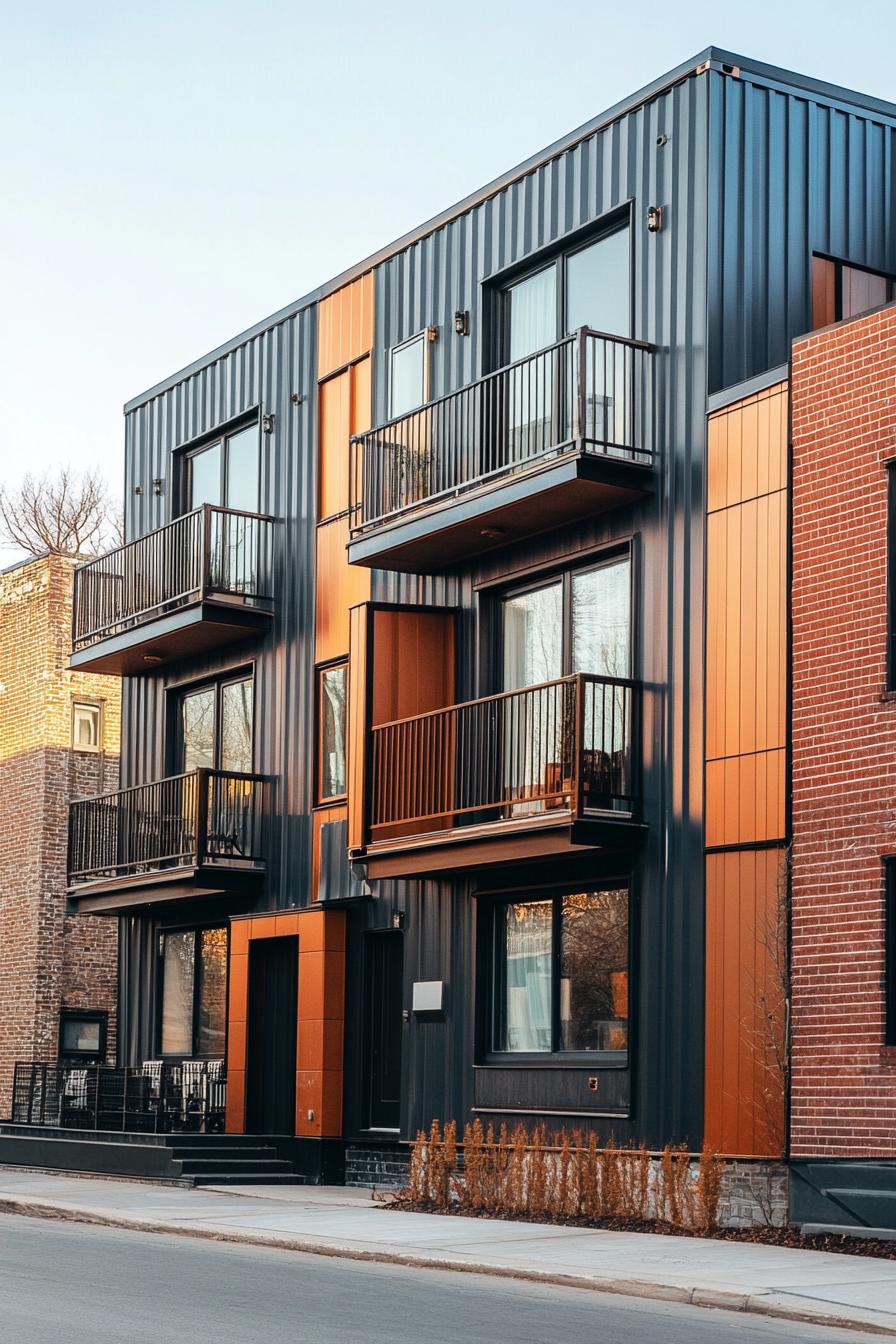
(558, 257)
(162, 932)
(97, 705)
(555, 1057)
(178, 693)
(100, 1016)
(222, 436)
(423, 338)
(322, 799)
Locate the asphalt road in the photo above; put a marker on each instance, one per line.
(71, 1283)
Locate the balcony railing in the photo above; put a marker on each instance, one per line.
(588, 392)
(210, 552)
(564, 745)
(205, 817)
(159, 1097)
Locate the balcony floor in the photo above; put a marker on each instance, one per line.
(164, 638)
(161, 887)
(444, 533)
(494, 844)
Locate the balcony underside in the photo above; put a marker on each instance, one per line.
(190, 630)
(495, 844)
(444, 533)
(162, 887)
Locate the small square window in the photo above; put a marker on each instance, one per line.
(82, 1034)
(87, 727)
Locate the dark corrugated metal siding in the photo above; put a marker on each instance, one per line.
(264, 372)
(789, 176)
(423, 286)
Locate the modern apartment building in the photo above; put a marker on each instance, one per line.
(452, 624)
(58, 741)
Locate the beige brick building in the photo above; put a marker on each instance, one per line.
(59, 739)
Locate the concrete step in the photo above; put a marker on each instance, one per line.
(198, 1166)
(877, 1208)
(251, 1178)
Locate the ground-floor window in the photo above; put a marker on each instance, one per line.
(561, 974)
(193, 992)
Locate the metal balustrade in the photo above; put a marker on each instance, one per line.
(566, 744)
(589, 392)
(204, 817)
(210, 552)
(159, 1097)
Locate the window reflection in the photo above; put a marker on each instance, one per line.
(236, 726)
(198, 730)
(594, 971)
(524, 972)
(332, 731)
(598, 289)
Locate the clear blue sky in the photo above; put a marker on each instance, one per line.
(172, 171)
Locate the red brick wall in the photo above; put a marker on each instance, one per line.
(48, 959)
(844, 738)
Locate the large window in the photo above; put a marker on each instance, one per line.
(589, 286)
(193, 971)
(561, 975)
(331, 708)
(225, 472)
(575, 622)
(214, 727)
(840, 291)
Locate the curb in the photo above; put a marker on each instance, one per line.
(721, 1299)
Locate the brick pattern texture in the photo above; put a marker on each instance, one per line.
(844, 738)
(48, 959)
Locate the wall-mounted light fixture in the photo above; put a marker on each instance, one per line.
(462, 322)
(654, 218)
(267, 423)
(138, 489)
(398, 919)
(432, 334)
(157, 484)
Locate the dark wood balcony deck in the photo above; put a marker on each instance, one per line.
(532, 773)
(197, 834)
(201, 581)
(551, 439)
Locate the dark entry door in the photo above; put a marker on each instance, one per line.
(385, 962)
(271, 1046)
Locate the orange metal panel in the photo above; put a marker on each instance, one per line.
(413, 663)
(335, 430)
(238, 987)
(744, 1087)
(357, 735)
(824, 303)
(339, 586)
(345, 325)
(745, 799)
(235, 1115)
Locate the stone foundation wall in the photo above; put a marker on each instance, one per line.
(386, 1168)
(754, 1194)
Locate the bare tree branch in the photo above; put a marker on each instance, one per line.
(65, 514)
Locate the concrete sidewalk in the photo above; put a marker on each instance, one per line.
(815, 1286)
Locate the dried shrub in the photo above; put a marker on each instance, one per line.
(562, 1176)
(708, 1190)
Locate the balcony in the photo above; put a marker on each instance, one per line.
(198, 834)
(533, 773)
(552, 439)
(200, 582)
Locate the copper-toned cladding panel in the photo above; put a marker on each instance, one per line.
(335, 430)
(339, 587)
(745, 950)
(824, 292)
(357, 734)
(413, 663)
(345, 325)
(746, 612)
